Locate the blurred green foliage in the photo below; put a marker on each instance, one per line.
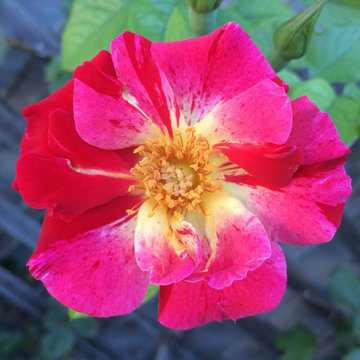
(151, 292)
(3, 46)
(53, 339)
(299, 343)
(332, 57)
(344, 110)
(92, 25)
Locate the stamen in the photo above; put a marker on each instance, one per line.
(175, 172)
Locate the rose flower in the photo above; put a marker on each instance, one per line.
(182, 164)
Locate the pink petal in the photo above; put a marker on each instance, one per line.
(314, 133)
(103, 118)
(269, 164)
(54, 184)
(211, 69)
(184, 305)
(92, 271)
(65, 142)
(144, 80)
(308, 210)
(261, 114)
(168, 259)
(241, 242)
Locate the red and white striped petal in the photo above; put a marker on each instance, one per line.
(103, 118)
(66, 191)
(238, 241)
(261, 114)
(146, 85)
(35, 139)
(269, 164)
(306, 211)
(211, 69)
(37, 115)
(89, 263)
(169, 256)
(314, 133)
(65, 142)
(184, 305)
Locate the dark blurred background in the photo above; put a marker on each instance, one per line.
(314, 319)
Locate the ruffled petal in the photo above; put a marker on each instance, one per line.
(184, 305)
(65, 142)
(261, 114)
(66, 191)
(167, 254)
(314, 133)
(308, 210)
(146, 85)
(88, 264)
(37, 115)
(269, 164)
(103, 117)
(35, 139)
(209, 70)
(237, 238)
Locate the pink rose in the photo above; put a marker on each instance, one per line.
(180, 164)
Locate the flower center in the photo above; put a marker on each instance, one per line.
(176, 172)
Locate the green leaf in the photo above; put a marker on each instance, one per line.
(355, 3)
(335, 13)
(343, 339)
(344, 286)
(353, 91)
(352, 355)
(66, 7)
(259, 18)
(334, 51)
(55, 76)
(151, 292)
(339, 14)
(85, 327)
(9, 344)
(297, 343)
(57, 344)
(318, 90)
(345, 112)
(289, 77)
(356, 327)
(335, 54)
(73, 315)
(93, 24)
(57, 315)
(178, 27)
(149, 18)
(3, 46)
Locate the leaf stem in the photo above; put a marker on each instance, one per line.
(202, 23)
(276, 60)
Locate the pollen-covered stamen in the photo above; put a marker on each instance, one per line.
(176, 172)
(176, 182)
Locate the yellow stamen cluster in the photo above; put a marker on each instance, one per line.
(175, 172)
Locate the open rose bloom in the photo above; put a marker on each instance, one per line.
(182, 164)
